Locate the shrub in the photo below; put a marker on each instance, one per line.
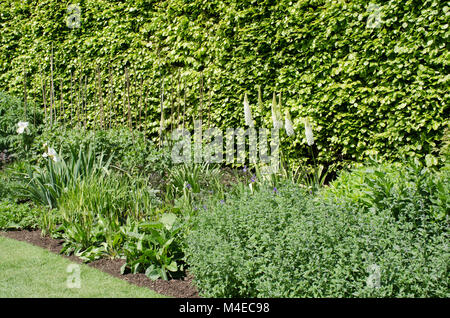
(131, 152)
(285, 243)
(11, 112)
(408, 189)
(17, 216)
(155, 248)
(11, 181)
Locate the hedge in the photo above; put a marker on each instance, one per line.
(372, 77)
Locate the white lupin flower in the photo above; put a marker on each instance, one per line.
(288, 124)
(247, 112)
(309, 133)
(22, 126)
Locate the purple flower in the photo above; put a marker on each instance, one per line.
(245, 169)
(188, 186)
(222, 201)
(253, 179)
(275, 190)
(195, 208)
(204, 207)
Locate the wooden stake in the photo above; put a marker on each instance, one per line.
(161, 126)
(209, 107)
(178, 100)
(140, 103)
(61, 105)
(111, 101)
(52, 89)
(25, 92)
(128, 98)
(201, 96)
(172, 120)
(44, 100)
(184, 104)
(71, 98)
(84, 102)
(100, 99)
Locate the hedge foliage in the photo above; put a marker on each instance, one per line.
(373, 77)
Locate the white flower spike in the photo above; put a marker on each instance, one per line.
(247, 112)
(276, 114)
(288, 124)
(309, 133)
(22, 126)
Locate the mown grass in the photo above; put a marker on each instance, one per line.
(29, 271)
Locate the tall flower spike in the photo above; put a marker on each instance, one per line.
(247, 112)
(260, 102)
(309, 133)
(276, 114)
(288, 124)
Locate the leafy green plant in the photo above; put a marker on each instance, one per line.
(189, 182)
(12, 111)
(130, 152)
(94, 210)
(154, 248)
(408, 189)
(45, 185)
(18, 216)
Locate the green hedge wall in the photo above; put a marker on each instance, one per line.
(367, 90)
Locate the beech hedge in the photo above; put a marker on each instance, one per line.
(372, 77)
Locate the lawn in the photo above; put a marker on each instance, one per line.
(30, 271)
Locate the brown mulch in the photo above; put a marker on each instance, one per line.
(179, 288)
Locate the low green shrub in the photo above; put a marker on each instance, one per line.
(18, 216)
(155, 248)
(11, 181)
(408, 189)
(130, 151)
(12, 112)
(282, 242)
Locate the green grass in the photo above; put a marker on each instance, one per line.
(29, 271)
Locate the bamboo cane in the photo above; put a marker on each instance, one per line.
(52, 97)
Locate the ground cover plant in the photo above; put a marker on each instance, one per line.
(283, 242)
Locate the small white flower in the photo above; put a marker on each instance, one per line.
(22, 126)
(247, 112)
(288, 124)
(309, 133)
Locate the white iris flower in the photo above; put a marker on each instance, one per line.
(22, 126)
